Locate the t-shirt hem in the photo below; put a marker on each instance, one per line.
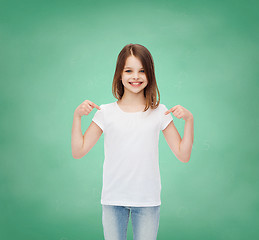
(98, 123)
(166, 124)
(128, 204)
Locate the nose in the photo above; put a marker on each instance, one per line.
(135, 76)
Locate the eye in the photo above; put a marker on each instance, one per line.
(130, 70)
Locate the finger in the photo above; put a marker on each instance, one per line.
(90, 108)
(87, 105)
(177, 112)
(168, 111)
(172, 109)
(94, 105)
(175, 108)
(178, 115)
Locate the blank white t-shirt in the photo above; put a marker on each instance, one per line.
(131, 175)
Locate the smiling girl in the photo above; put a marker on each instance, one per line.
(131, 127)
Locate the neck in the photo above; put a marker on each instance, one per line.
(132, 99)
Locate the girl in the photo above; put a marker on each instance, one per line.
(131, 127)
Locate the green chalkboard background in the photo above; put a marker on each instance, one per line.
(56, 54)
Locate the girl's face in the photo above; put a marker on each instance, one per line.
(133, 72)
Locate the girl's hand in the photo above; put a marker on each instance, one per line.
(180, 112)
(85, 108)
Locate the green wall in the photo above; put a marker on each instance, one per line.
(56, 54)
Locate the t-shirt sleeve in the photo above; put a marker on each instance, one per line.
(98, 117)
(165, 119)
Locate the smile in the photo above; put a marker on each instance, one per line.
(134, 84)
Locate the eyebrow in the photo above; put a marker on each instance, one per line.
(130, 67)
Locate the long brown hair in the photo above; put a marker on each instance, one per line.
(142, 53)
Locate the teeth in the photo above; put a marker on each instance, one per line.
(136, 83)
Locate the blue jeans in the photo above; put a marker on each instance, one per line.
(145, 222)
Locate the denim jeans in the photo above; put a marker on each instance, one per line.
(145, 222)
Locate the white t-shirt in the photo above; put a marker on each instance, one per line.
(131, 175)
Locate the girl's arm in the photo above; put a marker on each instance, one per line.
(76, 137)
(187, 141)
(82, 144)
(182, 148)
(173, 139)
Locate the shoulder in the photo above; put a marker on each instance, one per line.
(159, 110)
(161, 107)
(106, 106)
